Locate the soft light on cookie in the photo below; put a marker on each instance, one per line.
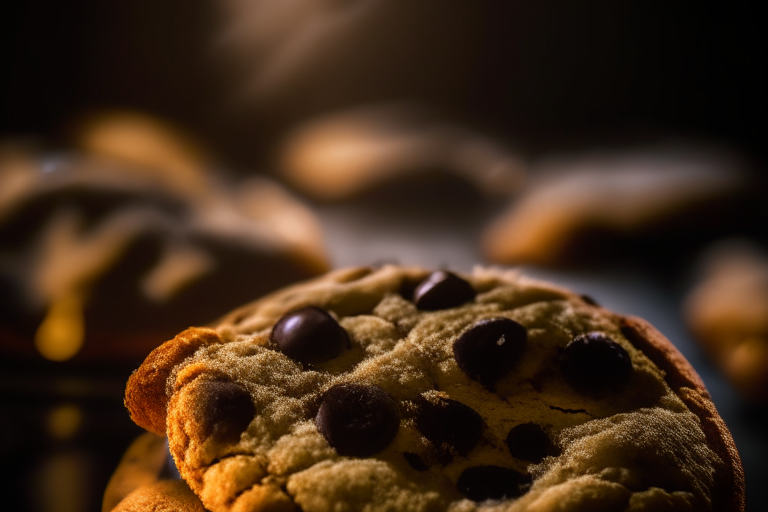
(523, 396)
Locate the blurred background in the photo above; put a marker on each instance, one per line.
(163, 162)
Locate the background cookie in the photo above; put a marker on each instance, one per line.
(353, 152)
(106, 256)
(577, 209)
(727, 312)
(490, 394)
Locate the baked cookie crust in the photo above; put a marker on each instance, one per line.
(449, 420)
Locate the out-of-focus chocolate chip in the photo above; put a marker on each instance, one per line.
(489, 349)
(450, 425)
(594, 362)
(589, 300)
(358, 420)
(309, 335)
(482, 483)
(528, 441)
(442, 290)
(227, 409)
(415, 461)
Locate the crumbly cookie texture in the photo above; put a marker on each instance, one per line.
(435, 392)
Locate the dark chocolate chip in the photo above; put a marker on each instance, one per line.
(227, 409)
(589, 300)
(482, 483)
(358, 420)
(415, 461)
(489, 349)
(309, 335)
(442, 290)
(450, 425)
(594, 362)
(528, 441)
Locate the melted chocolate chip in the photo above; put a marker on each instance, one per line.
(528, 441)
(309, 335)
(227, 409)
(415, 461)
(358, 420)
(594, 362)
(450, 425)
(442, 290)
(482, 483)
(489, 349)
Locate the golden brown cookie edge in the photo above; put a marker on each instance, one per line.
(729, 494)
(145, 396)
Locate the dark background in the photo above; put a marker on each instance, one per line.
(550, 74)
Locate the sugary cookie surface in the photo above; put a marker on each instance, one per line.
(398, 389)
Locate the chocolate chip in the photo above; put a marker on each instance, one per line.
(358, 420)
(589, 300)
(450, 425)
(528, 441)
(309, 335)
(489, 349)
(482, 483)
(442, 290)
(415, 461)
(227, 409)
(594, 362)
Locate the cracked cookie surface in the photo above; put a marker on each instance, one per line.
(435, 392)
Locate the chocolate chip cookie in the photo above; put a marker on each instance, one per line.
(401, 389)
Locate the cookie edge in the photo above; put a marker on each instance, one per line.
(729, 494)
(145, 392)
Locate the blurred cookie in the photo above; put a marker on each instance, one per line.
(596, 205)
(727, 312)
(152, 147)
(102, 258)
(348, 153)
(403, 389)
